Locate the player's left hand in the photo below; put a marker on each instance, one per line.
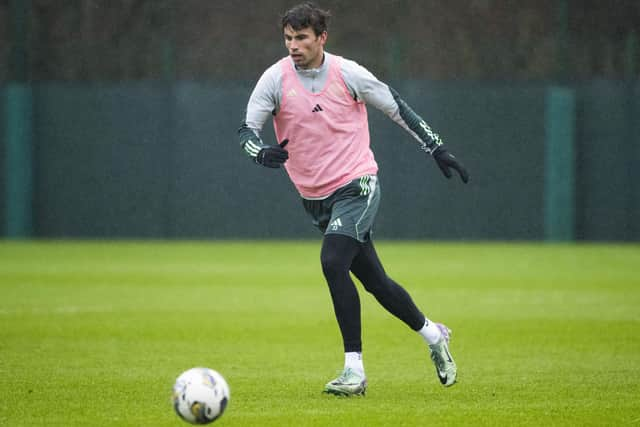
(447, 161)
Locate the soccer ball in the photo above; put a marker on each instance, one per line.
(200, 395)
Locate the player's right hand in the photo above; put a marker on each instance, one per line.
(273, 156)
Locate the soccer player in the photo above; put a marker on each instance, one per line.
(317, 101)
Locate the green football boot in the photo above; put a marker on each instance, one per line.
(349, 383)
(441, 357)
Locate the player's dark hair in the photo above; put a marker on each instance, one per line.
(306, 15)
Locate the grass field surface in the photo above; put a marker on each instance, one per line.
(95, 333)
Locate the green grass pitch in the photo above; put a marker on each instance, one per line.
(94, 333)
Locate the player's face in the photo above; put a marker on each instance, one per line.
(305, 48)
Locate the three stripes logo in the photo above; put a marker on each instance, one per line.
(335, 224)
(365, 188)
(434, 137)
(317, 108)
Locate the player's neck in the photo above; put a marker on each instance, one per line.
(317, 63)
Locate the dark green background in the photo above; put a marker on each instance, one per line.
(159, 160)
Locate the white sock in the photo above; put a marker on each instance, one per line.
(430, 332)
(353, 360)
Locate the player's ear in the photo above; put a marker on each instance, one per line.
(323, 37)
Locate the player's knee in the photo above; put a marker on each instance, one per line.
(333, 264)
(375, 285)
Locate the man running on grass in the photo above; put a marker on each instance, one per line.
(317, 101)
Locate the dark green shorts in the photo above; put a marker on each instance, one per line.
(350, 210)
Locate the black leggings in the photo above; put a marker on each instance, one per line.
(341, 254)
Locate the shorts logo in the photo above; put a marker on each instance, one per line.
(335, 224)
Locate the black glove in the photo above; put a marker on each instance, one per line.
(272, 156)
(446, 160)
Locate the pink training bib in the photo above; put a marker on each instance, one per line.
(328, 133)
